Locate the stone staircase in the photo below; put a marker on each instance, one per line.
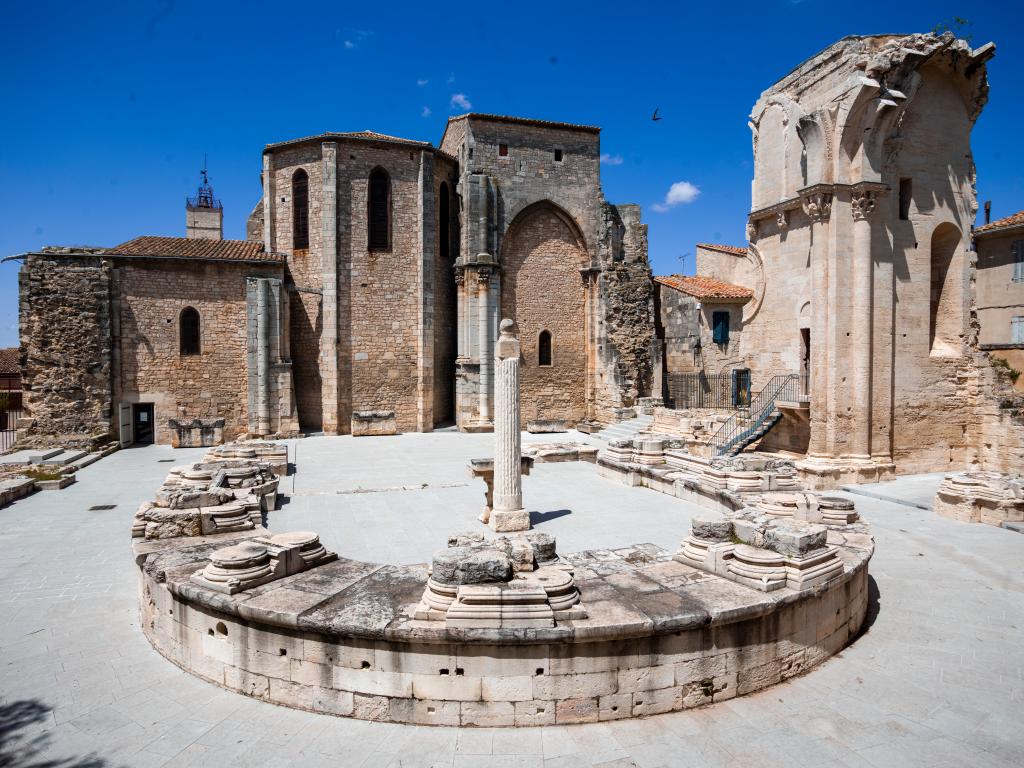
(625, 429)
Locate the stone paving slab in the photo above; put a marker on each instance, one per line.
(910, 491)
(936, 680)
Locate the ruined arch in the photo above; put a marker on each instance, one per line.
(946, 318)
(542, 254)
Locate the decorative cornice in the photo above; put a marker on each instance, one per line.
(813, 193)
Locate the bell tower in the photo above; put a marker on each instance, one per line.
(204, 215)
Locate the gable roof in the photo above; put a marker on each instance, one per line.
(9, 359)
(707, 288)
(723, 248)
(380, 138)
(193, 248)
(1007, 222)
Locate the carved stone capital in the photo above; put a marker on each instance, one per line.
(782, 219)
(817, 204)
(483, 277)
(863, 199)
(460, 277)
(751, 230)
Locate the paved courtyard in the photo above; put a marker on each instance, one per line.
(937, 680)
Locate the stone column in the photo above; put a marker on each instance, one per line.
(817, 204)
(268, 203)
(262, 357)
(862, 205)
(507, 513)
(483, 291)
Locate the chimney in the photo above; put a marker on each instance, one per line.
(988, 211)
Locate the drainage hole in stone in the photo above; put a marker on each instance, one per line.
(540, 710)
(615, 709)
(209, 632)
(442, 672)
(430, 710)
(102, 507)
(639, 701)
(282, 651)
(365, 665)
(460, 671)
(540, 670)
(163, 461)
(222, 629)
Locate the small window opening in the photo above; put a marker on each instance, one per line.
(544, 348)
(379, 210)
(720, 327)
(1018, 261)
(558, 155)
(189, 322)
(300, 210)
(503, 150)
(906, 195)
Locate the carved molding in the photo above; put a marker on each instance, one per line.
(483, 277)
(460, 277)
(817, 204)
(862, 205)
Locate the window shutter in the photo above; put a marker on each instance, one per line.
(720, 327)
(1018, 261)
(1017, 330)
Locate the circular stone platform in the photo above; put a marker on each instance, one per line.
(340, 638)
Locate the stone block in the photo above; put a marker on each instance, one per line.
(585, 710)
(508, 521)
(615, 706)
(373, 682)
(646, 678)
(488, 714)
(425, 712)
(657, 702)
(532, 713)
(580, 686)
(467, 565)
(514, 688)
(368, 423)
(370, 707)
(795, 538)
(714, 529)
(447, 687)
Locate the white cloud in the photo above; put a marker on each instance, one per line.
(451, 78)
(421, 82)
(460, 101)
(608, 159)
(349, 44)
(679, 193)
(426, 112)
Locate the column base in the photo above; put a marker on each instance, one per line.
(824, 473)
(506, 521)
(478, 426)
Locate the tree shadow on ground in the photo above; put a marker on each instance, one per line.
(23, 750)
(542, 517)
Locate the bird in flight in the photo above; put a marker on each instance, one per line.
(655, 117)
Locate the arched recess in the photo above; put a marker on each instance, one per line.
(541, 289)
(946, 318)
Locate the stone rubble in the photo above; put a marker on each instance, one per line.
(992, 498)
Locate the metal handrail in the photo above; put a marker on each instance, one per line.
(747, 421)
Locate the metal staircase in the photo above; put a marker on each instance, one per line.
(750, 424)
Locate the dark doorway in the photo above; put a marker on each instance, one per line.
(740, 387)
(805, 360)
(142, 423)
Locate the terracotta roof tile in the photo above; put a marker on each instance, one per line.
(9, 362)
(194, 248)
(1016, 220)
(525, 121)
(706, 288)
(723, 248)
(382, 138)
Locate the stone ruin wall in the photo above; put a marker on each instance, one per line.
(149, 296)
(625, 349)
(443, 313)
(66, 346)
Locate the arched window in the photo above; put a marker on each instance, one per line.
(300, 210)
(379, 213)
(189, 331)
(444, 223)
(544, 348)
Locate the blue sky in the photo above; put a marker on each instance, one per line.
(109, 107)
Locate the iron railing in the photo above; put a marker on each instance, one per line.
(726, 390)
(739, 430)
(8, 422)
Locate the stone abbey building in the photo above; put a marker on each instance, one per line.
(374, 276)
